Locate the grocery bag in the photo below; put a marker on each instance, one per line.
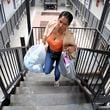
(35, 57)
(67, 67)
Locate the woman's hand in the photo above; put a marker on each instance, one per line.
(44, 40)
(71, 49)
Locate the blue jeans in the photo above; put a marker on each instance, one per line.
(49, 61)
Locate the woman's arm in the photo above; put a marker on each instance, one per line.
(44, 39)
(70, 48)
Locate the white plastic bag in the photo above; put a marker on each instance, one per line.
(35, 57)
(67, 70)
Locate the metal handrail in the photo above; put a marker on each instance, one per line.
(12, 68)
(85, 37)
(92, 65)
(93, 68)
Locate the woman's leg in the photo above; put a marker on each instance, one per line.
(57, 72)
(48, 67)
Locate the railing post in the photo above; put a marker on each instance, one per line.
(76, 13)
(102, 86)
(2, 39)
(104, 17)
(6, 95)
(20, 63)
(23, 45)
(22, 41)
(31, 41)
(28, 16)
(33, 3)
(96, 39)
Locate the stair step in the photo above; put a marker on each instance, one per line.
(37, 92)
(43, 76)
(45, 80)
(45, 83)
(56, 107)
(47, 99)
(47, 89)
(31, 74)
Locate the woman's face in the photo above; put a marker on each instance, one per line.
(62, 24)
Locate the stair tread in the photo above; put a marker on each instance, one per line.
(55, 107)
(46, 82)
(37, 92)
(47, 89)
(47, 99)
(30, 74)
(43, 76)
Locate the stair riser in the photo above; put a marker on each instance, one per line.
(47, 99)
(37, 92)
(47, 90)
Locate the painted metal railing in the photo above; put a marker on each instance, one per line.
(84, 37)
(12, 69)
(92, 65)
(84, 14)
(11, 72)
(87, 18)
(93, 68)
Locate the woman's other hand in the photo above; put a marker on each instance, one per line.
(44, 40)
(71, 49)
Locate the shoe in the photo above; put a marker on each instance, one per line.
(56, 84)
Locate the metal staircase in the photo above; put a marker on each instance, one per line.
(90, 90)
(37, 92)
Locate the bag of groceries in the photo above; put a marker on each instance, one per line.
(66, 66)
(34, 58)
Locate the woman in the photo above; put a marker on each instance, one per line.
(54, 35)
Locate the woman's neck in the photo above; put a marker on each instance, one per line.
(59, 31)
